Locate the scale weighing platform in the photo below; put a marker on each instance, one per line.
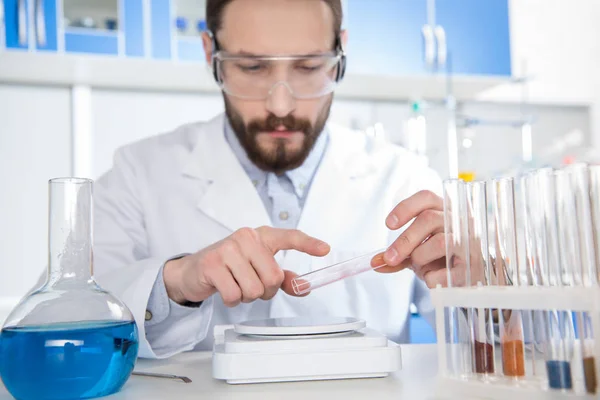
(301, 349)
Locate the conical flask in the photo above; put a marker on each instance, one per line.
(69, 339)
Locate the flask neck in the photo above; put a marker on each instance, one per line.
(70, 232)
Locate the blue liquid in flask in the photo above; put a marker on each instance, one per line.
(67, 361)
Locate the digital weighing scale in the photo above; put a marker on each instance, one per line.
(301, 349)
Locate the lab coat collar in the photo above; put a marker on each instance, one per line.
(230, 197)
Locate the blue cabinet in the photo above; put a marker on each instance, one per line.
(30, 24)
(176, 28)
(416, 37)
(39, 25)
(101, 34)
(385, 37)
(477, 35)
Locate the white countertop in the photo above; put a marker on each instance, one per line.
(416, 381)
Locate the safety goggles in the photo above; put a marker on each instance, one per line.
(256, 77)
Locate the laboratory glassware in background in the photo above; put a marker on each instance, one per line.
(467, 170)
(459, 334)
(506, 270)
(70, 338)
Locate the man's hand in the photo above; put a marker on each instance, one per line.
(241, 267)
(422, 246)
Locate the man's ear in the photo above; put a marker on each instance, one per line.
(344, 38)
(207, 43)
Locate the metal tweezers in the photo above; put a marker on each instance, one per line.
(165, 376)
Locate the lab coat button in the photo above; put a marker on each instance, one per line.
(148, 315)
(284, 215)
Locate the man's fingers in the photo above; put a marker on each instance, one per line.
(223, 282)
(411, 207)
(434, 277)
(261, 259)
(292, 239)
(432, 249)
(287, 285)
(386, 269)
(428, 222)
(244, 274)
(424, 270)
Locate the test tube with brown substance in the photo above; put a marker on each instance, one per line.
(479, 262)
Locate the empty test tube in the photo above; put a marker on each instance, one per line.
(315, 279)
(459, 336)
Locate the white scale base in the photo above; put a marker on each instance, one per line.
(253, 358)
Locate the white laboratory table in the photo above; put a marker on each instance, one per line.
(416, 381)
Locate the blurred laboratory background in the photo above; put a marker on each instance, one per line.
(480, 88)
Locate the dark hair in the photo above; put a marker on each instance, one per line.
(215, 9)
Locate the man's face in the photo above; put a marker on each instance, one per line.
(277, 133)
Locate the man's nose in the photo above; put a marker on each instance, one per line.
(281, 101)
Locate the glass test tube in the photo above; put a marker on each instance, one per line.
(483, 327)
(542, 199)
(528, 213)
(507, 273)
(591, 368)
(594, 182)
(555, 199)
(585, 184)
(324, 276)
(459, 333)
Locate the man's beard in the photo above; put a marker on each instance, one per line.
(277, 159)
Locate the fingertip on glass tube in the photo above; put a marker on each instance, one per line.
(377, 261)
(300, 286)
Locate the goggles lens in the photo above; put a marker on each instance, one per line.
(254, 77)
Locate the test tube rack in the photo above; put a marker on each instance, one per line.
(472, 386)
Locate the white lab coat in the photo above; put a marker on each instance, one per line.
(182, 191)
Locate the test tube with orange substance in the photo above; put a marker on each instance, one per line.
(506, 272)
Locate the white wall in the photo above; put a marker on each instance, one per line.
(35, 145)
(120, 117)
(559, 42)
